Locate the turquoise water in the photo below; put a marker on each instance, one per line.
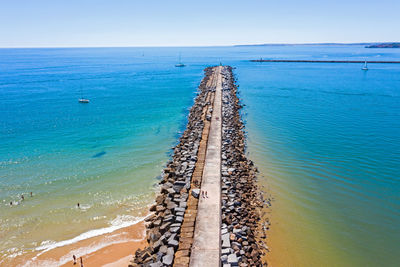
(330, 136)
(325, 137)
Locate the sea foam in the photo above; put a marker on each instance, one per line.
(121, 221)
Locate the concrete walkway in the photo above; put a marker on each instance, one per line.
(206, 244)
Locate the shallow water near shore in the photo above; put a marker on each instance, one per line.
(324, 136)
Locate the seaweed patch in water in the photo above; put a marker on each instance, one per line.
(100, 154)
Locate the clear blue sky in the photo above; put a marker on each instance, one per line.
(53, 23)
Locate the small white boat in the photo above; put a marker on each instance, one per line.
(83, 100)
(180, 64)
(365, 67)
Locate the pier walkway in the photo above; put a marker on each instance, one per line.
(206, 243)
(208, 189)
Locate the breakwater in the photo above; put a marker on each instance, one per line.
(324, 61)
(241, 230)
(208, 209)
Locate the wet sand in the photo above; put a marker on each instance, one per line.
(111, 256)
(111, 249)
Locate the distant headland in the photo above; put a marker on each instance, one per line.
(367, 45)
(384, 45)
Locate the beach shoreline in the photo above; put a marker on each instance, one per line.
(95, 251)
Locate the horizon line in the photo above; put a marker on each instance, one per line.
(189, 46)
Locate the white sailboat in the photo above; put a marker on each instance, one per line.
(180, 64)
(83, 100)
(365, 67)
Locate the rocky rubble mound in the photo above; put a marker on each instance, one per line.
(241, 199)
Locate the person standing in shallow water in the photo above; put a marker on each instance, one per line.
(74, 258)
(81, 262)
(78, 205)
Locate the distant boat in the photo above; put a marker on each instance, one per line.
(365, 67)
(83, 100)
(180, 64)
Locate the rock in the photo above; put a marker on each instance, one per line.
(232, 237)
(226, 251)
(168, 259)
(180, 183)
(224, 258)
(150, 218)
(160, 208)
(196, 192)
(170, 251)
(171, 190)
(163, 249)
(168, 218)
(178, 209)
(164, 227)
(171, 206)
(225, 241)
(156, 264)
(154, 235)
(175, 229)
(172, 237)
(156, 245)
(235, 230)
(173, 243)
(232, 259)
(180, 214)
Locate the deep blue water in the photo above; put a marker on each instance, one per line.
(325, 137)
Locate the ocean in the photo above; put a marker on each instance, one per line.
(325, 137)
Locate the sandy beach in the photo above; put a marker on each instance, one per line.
(111, 249)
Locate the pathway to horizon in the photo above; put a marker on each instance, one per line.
(207, 236)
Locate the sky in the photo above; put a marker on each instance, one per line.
(99, 23)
